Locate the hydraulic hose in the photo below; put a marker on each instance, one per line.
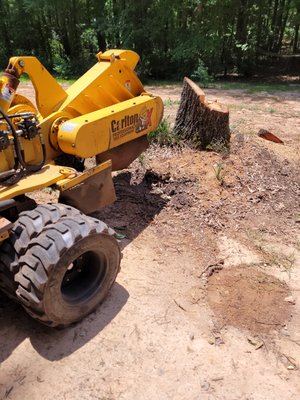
(20, 152)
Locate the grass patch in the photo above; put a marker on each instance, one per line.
(170, 103)
(25, 79)
(251, 87)
(219, 172)
(66, 81)
(248, 87)
(252, 107)
(164, 135)
(219, 146)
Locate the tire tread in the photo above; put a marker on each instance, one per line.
(43, 255)
(27, 227)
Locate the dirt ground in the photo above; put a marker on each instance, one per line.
(207, 304)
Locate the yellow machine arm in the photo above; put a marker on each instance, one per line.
(49, 93)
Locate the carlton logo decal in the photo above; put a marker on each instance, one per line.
(135, 123)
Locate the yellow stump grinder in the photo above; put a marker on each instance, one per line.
(55, 259)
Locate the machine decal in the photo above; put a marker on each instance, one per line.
(134, 123)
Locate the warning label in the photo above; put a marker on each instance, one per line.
(7, 93)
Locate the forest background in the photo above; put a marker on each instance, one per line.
(173, 37)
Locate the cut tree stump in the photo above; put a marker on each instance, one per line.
(202, 124)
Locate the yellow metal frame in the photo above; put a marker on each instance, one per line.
(105, 108)
(47, 176)
(99, 131)
(63, 178)
(68, 183)
(49, 93)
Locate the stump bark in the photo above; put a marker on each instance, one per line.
(200, 123)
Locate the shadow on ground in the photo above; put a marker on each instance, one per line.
(55, 344)
(134, 209)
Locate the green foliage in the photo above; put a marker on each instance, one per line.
(171, 36)
(164, 135)
(219, 173)
(89, 43)
(201, 75)
(251, 87)
(61, 63)
(170, 103)
(219, 146)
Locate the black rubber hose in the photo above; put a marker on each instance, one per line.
(36, 167)
(20, 152)
(7, 204)
(19, 115)
(16, 166)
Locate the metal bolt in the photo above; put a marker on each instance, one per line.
(21, 63)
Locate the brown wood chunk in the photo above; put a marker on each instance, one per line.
(200, 123)
(263, 133)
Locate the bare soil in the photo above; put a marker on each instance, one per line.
(207, 304)
(249, 299)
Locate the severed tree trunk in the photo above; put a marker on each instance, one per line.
(200, 123)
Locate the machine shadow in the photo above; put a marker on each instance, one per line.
(135, 208)
(55, 344)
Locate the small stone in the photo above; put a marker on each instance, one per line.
(240, 138)
(290, 299)
(205, 386)
(285, 331)
(219, 341)
(290, 367)
(279, 207)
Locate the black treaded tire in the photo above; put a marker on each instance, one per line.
(52, 292)
(31, 223)
(8, 268)
(28, 226)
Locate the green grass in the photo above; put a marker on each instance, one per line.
(252, 107)
(25, 78)
(248, 87)
(170, 103)
(164, 135)
(252, 87)
(262, 108)
(66, 81)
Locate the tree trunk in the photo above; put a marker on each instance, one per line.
(296, 30)
(296, 35)
(202, 124)
(283, 26)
